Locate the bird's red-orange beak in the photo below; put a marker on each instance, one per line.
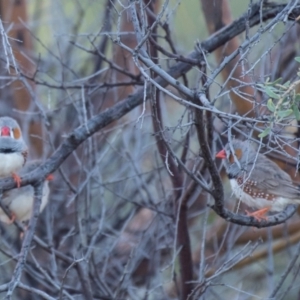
(221, 154)
(5, 131)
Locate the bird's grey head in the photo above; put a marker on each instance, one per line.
(11, 139)
(10, 128)
(238, 156)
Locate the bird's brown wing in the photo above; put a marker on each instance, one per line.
(273, 180)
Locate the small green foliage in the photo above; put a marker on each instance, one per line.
(297, 98)
(297, 59)
(277, 81)
(283, 102)
(296, 112)
(284, 113)
(265, 132)
(271, 105)
(270, 92)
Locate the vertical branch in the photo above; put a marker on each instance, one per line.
(27, 241)
(157, 119)
(217, 15)
(208, 114)
(183, 238)
(18, 95)
(184, 245)
(106, 28)
(85, 282)
(218, 192)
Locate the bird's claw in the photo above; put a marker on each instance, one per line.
(17, 179)
(259, 215)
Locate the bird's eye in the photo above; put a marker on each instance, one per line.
(231, 158)
(16, 133)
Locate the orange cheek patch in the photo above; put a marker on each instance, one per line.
(238, 154)
(17, 133)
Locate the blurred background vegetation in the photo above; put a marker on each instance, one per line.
(113, 227)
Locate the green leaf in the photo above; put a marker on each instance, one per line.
(271, 105)
(288, 83)
(284, 113)
(297, 59)
(270, 93)
(264, 133)
(278, 80)
(296, 112)
(286, 100)
(297, 97)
